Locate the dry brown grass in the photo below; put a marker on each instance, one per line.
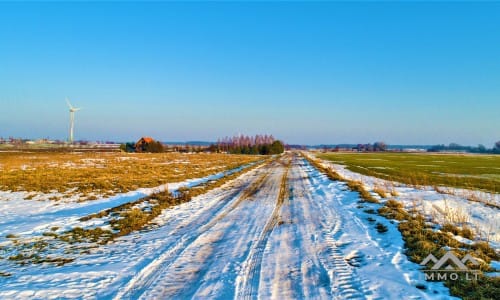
(125, 219)
(380, 191)
(105, 174)
(420, 240)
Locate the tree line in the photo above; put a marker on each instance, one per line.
(377, 146)
(241, 144)
(456, 147)
(244, 144)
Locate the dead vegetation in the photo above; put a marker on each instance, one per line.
(122, 220)
(34, 251)
(93, 175)
(421, 239)
(380, 191)
(129, 217)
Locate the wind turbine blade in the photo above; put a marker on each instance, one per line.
(69, 104)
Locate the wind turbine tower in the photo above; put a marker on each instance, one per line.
(71, 120)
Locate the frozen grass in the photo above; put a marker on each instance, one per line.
(421, 239)
(104, 174)
(452, 170)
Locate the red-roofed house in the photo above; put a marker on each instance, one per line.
(141, 144)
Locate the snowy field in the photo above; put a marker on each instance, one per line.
(451, 206)
(279, 231)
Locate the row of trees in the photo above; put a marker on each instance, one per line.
(377, 146)
(245, 140)
(456, 147)
(259, 144)
(241, 144)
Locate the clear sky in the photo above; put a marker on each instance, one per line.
(404, 73)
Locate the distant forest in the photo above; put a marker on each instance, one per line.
(456, 147)
(382, 146)
(243, 144)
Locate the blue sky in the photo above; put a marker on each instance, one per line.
(404, 73)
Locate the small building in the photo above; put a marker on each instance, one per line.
(143, 143)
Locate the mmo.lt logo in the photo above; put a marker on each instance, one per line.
(449, 267)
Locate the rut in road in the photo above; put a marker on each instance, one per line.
(208, 266)
(248, 283)
(150, 273)
(303, 258)
(343, 280)
(227, 255)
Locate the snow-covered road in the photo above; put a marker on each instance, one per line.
(281, 231)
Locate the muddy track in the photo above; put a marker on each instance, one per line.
(151, 272)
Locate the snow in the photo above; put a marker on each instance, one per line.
(65, 214)
(228, 243)
(452, 206)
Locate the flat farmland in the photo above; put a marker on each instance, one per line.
(92, 175)
(475, 172)
(280, 230)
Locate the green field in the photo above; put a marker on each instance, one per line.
(477, 172)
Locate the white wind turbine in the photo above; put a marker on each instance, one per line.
(71, 119)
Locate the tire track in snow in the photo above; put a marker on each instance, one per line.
(316, 280)
(169, 267)
(248, 280)
(214, 258)
(343, 280)
(153, 270)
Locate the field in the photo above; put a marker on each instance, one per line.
(451, 170)
(289, 226)
(91, 175)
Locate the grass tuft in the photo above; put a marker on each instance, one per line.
(381, 228)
